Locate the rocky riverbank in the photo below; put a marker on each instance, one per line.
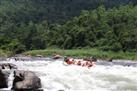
(22, 80)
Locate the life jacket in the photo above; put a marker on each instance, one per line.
(70, 61)
(90, 64)
(79, 62)
(87, 64)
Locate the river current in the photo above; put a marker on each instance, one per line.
(102, 77)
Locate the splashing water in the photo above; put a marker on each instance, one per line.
(57, 76)
(10, 79)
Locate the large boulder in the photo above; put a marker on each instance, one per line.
(3, 80)
(26, 80)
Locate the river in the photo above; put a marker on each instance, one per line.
(104, 76)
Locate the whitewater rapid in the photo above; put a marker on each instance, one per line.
(57, 76)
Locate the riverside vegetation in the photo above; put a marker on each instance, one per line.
(110, 29)
(83, 53)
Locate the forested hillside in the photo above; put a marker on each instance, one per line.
(51, 10)
(39, 24)
(113, 29)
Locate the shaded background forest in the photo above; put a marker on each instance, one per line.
(68, 24)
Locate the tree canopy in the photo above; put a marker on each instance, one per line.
(39, 24)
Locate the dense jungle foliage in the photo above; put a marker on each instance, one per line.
(68, 24)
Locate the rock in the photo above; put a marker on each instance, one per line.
(61, 90)
(94, 59)
(57, 56)
(8, 66)
(39, 55)
(12, 66)
(110, 60)
(3, 80)
(29, 90)
(26, 80)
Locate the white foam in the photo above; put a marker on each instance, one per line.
(10, 79)
(56, 76)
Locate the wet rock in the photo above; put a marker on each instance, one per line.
(94, 59)
(12, 66)
(3, 80)
(57, 56)
(61, 90)
(28, 90)
(110, 60)
(7, 66)
(26, 80)
(39, 55)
